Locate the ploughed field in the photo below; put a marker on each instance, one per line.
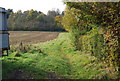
(31, 37)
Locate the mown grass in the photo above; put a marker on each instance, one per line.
(56, 56)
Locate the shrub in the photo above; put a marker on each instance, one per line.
(93, 43)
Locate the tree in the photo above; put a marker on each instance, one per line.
(81, 16)
(9, 11)
(33, 20)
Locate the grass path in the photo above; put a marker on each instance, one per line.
(78, 64)
(54, 59)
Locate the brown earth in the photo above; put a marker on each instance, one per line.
(20, 74)
(31, 37)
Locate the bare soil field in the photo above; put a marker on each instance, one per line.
(31, 37)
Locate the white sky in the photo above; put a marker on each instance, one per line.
(39, 5)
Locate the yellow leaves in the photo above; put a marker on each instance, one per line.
(101, 31)
(58, 19)
(82, 22)
(69, 19)
(105, 14)
(93, 5)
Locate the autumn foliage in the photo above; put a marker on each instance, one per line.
(95, 27)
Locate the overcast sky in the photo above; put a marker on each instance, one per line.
(39, 5)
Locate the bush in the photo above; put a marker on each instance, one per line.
(93, 43)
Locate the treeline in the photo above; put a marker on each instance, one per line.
(32, 20)
(95, 29)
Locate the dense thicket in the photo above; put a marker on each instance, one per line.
(34, 20)
(95, 28)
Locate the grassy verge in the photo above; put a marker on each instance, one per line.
(54, 59)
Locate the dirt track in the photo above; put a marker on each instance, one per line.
(31, 37)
